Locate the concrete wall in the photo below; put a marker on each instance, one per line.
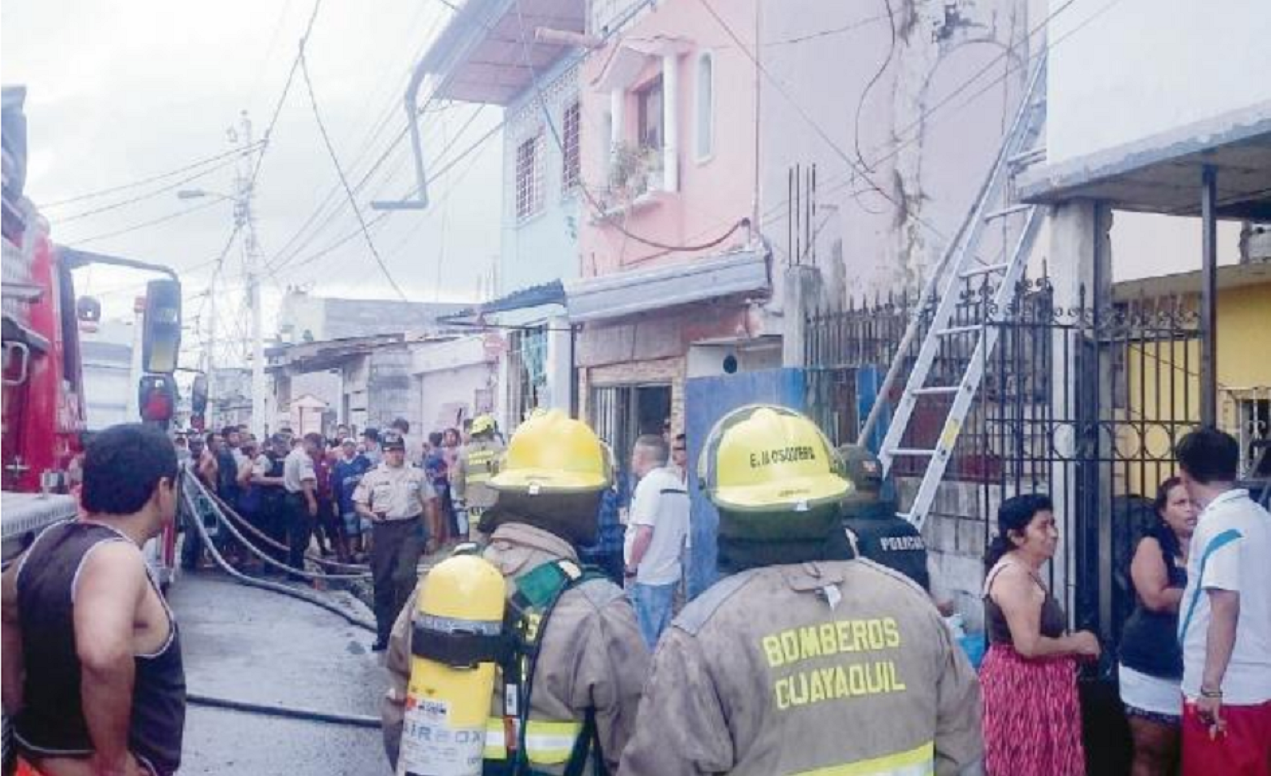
(544, 246)
(328, 318)
(1141, 67)
(447, 377)
(928, 127)
(448, 395)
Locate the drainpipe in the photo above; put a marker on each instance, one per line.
(412, 121)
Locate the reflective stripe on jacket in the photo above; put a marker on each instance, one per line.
(836, 668)
(591, 656)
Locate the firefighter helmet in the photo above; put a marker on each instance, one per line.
(553, 453)
(767, 458)
(483, 424)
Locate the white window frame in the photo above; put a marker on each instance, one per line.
(570, 184)
(532, 189)
(703, 111)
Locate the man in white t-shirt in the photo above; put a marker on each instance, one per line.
(1225, 617)
(654, 542)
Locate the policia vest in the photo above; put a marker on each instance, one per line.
(515, 650)
(891, 541)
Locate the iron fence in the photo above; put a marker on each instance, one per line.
(1082, 403)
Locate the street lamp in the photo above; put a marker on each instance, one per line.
(200, 193)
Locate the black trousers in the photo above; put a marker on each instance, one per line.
(273, 517)
(396, 547)
(299, 529)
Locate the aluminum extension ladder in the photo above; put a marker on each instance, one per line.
(959, 265)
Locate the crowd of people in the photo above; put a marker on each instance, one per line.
(804, 657)
(1195, 655)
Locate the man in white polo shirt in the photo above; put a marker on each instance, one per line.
(1225, 617)
(655, 536)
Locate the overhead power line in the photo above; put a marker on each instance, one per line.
(142, 182)
(344, 181)
(812, 123)
(148, 195)
(322, 216)
(144, 224)
(386, 213)
(286, 88)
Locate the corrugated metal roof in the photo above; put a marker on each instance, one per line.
(481, 55)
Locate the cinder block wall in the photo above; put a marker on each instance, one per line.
(956, 532)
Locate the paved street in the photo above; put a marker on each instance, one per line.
(251, 645)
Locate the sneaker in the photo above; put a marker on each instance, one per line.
(379, 646)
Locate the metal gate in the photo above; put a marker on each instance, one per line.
(1082, 403)
(706, 400)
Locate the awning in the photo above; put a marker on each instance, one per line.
(636, 291)
(1162, 173)
(552, 292)
(631, 56)
(482, 54)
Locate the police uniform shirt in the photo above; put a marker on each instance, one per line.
(296, 468)
(394, 492)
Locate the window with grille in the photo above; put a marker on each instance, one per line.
(571, 164)
(529, 177)
(1254, 435)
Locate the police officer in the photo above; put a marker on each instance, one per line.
(803, 660)
(591, 661)
(872, 523)
(398, 501)
(470, 482)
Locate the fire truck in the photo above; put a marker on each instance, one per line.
(44, 422)
(44, 428)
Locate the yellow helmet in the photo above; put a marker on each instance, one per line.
(767, 458)
(483, 424)
(553, 453)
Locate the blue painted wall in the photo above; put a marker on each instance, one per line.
(543, 246)
(706, 400)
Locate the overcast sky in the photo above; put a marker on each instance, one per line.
(121, 90)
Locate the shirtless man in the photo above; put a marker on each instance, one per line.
(92, 663)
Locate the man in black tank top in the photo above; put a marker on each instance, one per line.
(92, 662)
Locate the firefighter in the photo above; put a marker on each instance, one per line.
(576, 706)
(470, 482)
(804, 660)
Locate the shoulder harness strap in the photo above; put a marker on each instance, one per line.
(528, 613)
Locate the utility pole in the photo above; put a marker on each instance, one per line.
(245, 220)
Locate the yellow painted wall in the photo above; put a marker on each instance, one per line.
(1163, 380)
(1244, 336)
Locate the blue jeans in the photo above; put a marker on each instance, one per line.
(652, 608)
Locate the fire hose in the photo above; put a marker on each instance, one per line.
(242, 522)
(263, 584)
(198, 699)
(221, 511)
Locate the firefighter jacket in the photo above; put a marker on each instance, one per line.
(591, 659)
(827, 667)
(470, 482)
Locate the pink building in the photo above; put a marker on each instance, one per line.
(745, 160)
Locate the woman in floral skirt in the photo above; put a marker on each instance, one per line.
(1032, 718)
